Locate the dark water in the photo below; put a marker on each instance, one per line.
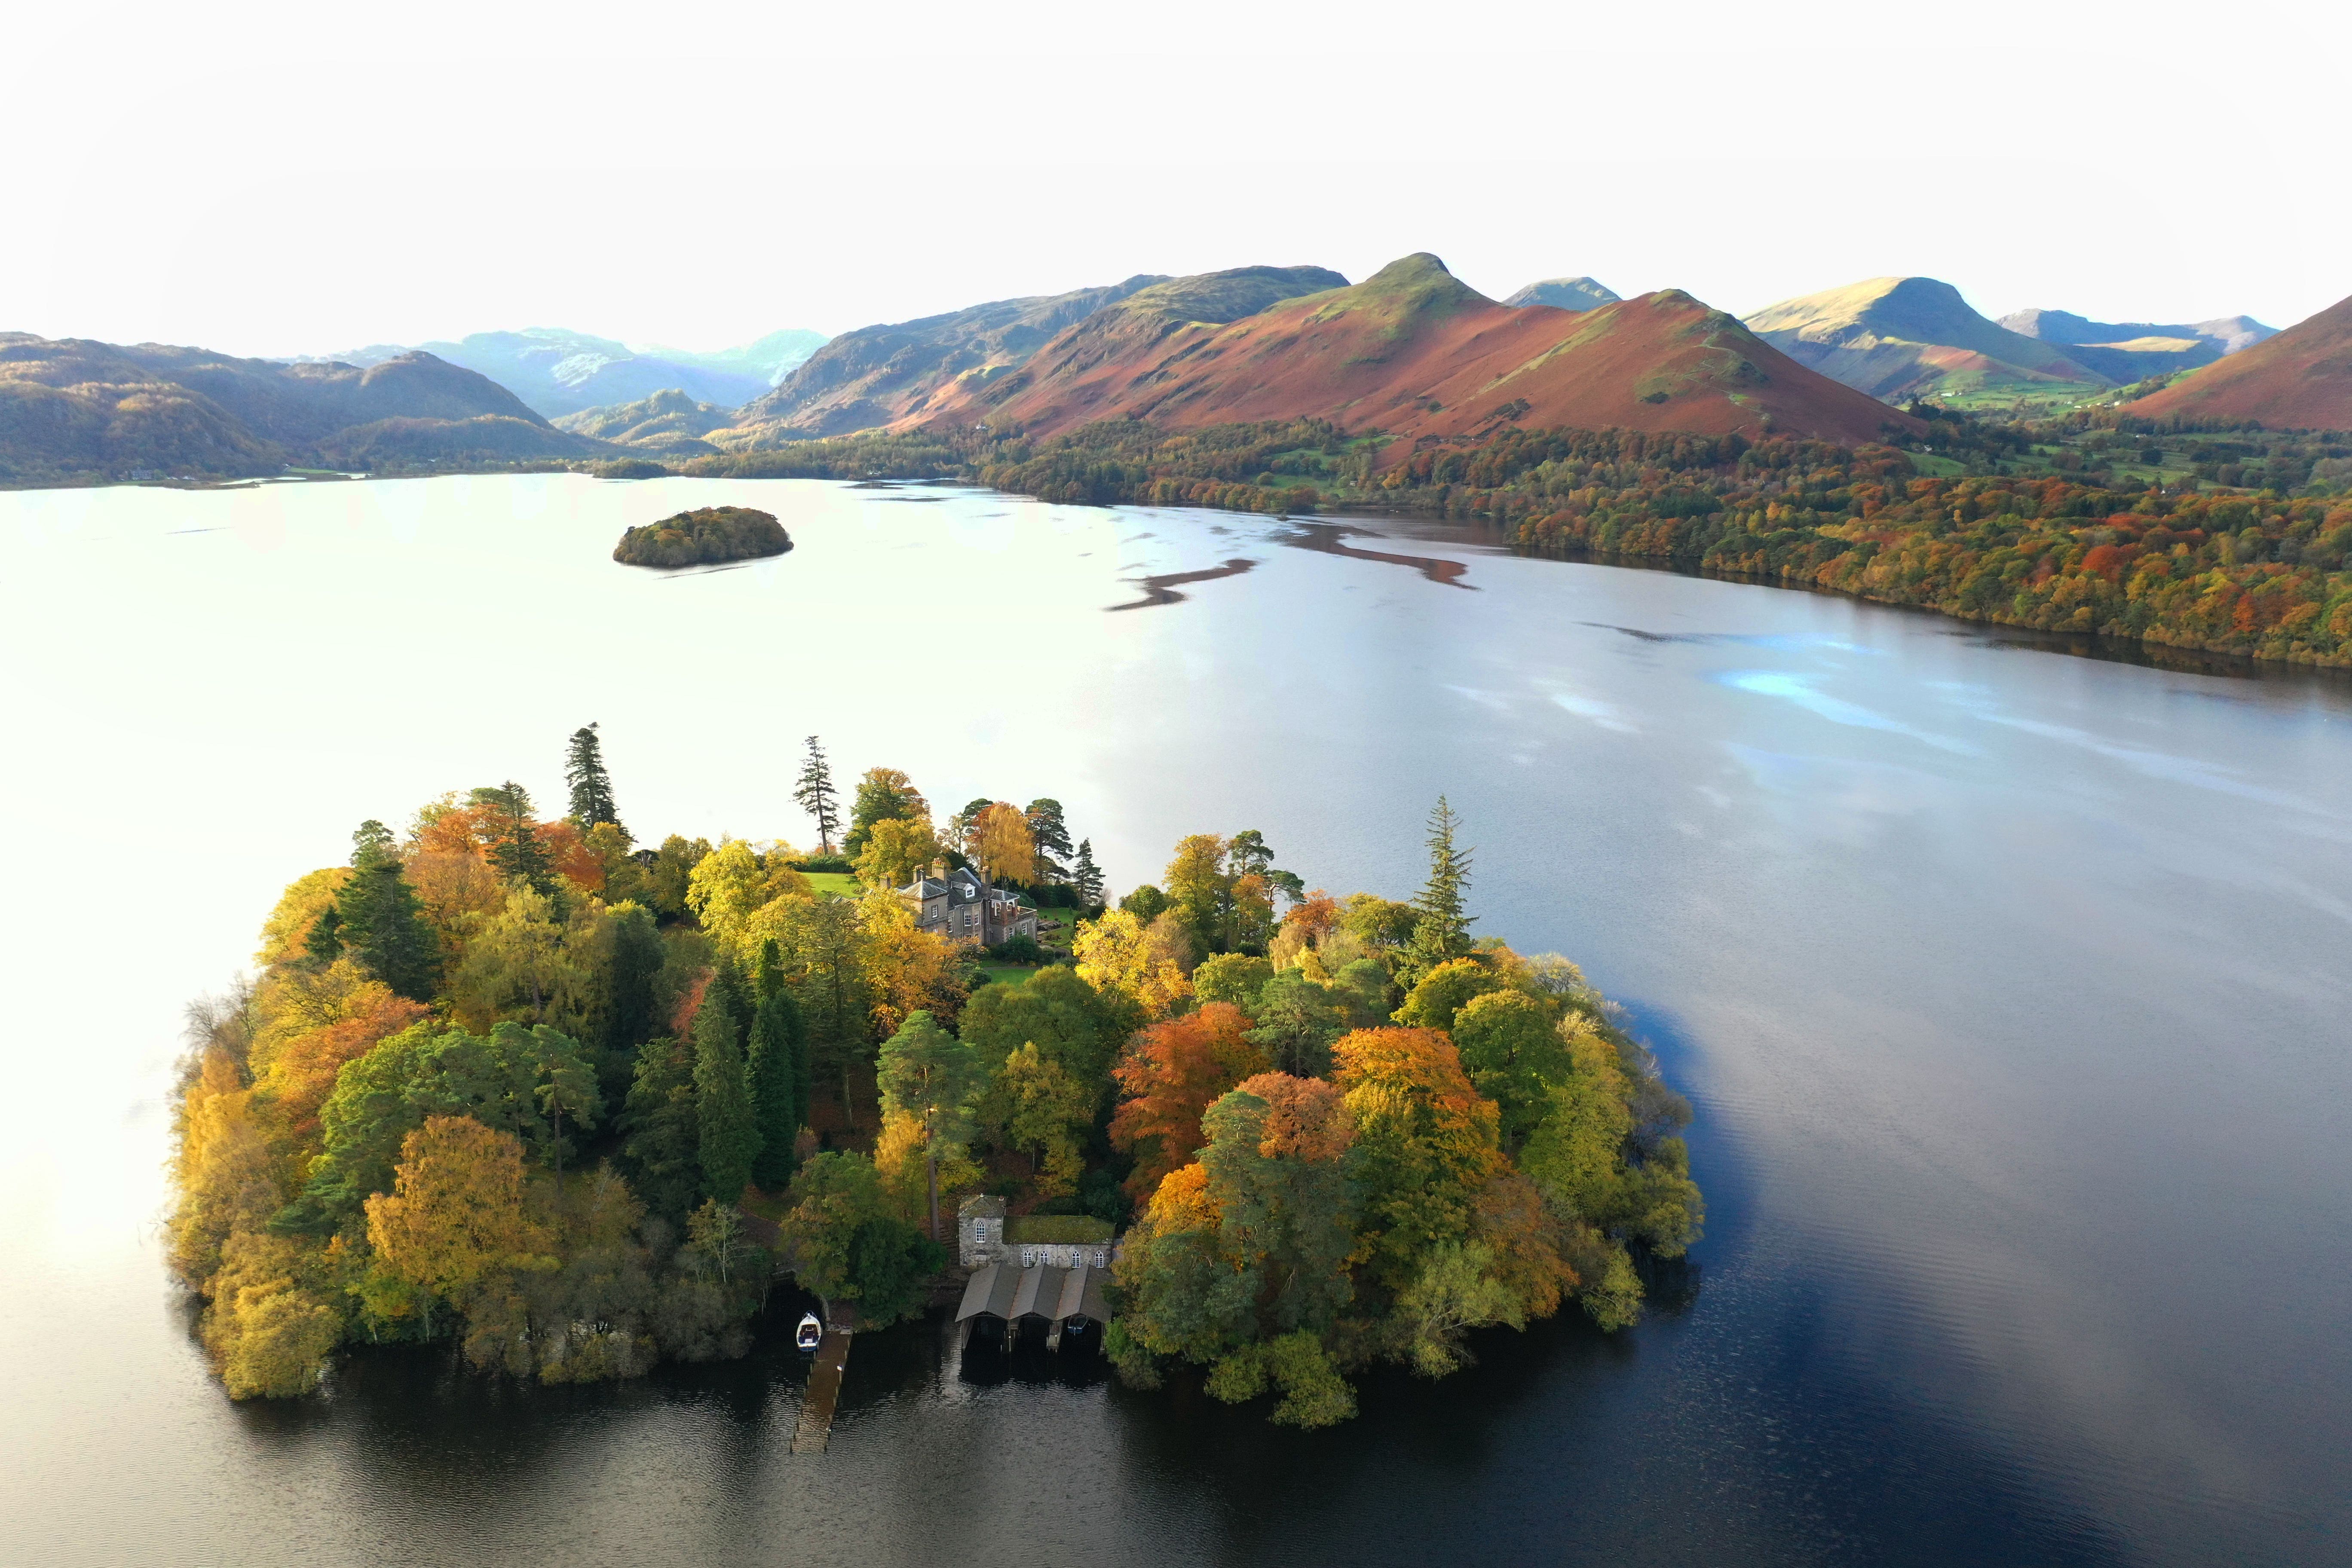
(2011, 987)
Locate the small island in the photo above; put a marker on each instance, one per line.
(573, 1107)
(703, 537)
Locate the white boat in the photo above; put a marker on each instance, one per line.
(810, 1334)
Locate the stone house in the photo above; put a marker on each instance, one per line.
(981, 1240)
(963, 908)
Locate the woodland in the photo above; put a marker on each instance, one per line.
(568, 1105)
(2218, 537)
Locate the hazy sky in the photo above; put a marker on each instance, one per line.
(284, 178)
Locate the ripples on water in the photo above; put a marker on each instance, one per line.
(2009, 989)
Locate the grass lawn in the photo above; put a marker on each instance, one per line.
(841, 884)
(1006, 973)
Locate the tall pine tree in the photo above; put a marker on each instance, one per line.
(1051, 836)
(775, 1066)
(517, 853)
(377, 921)
(1085, 875)
(1442, 932)
(591, 786)
(817, 795)
(729, 1126)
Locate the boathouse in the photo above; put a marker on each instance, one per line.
(1067, 1300)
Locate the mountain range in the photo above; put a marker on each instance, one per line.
(1410, 350)
(1899, 338)
(1415, 351)
(2128, 352)
(556, 371)
(72, 407)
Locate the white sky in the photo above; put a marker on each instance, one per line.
(284, 178)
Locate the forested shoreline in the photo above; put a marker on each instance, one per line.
(565, 1104)
(2221, 538)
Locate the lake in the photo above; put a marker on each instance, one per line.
(2011, 987)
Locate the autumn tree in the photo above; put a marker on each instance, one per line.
(1424, 1149)
(908, 970)
(883, 794)
(1000, 845)
(1510, 1045)
(518, 962)
(1240, 1261)
(1171, 1074)
(274, 1319)
(1444, 990)
(591, 786)
(898, 850)
(455, 1217)
(816, 796)
(734, 893)
(517, 851)
(1041, 1109)
(1071, 1024)
(1115, 954)
(286, 931)
(1200, 891)
(927, 1073)
(1232, 977)
(729, 1122)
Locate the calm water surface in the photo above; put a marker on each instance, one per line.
(2012, 989)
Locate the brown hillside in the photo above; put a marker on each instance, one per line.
(2299, 380)
(1414, 351)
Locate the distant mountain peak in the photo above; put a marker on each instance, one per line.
(1895, 338)
(1578, 294)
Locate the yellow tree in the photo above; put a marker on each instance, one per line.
(270, 1327)
(306, 898)
(1116, 953)
(518, 966)
(1002, 845)
(455, 1219)
(730, 885)
(1044, 1112)
(897, 848)
(908, 971)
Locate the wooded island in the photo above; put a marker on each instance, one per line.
(522, 1085)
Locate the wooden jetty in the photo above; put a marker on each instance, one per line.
(824, 1393)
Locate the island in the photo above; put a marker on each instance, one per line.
(706, 536)
(575, 1105)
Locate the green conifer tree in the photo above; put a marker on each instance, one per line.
(1051, 836)
(325, 942)
(774, 1068)
(591, 786)
(729, 1125)
(1443, 932)
(817, 796)
(518, 854)
(1085, 875)
(378, 923)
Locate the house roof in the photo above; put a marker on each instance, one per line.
(1041, 1291)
